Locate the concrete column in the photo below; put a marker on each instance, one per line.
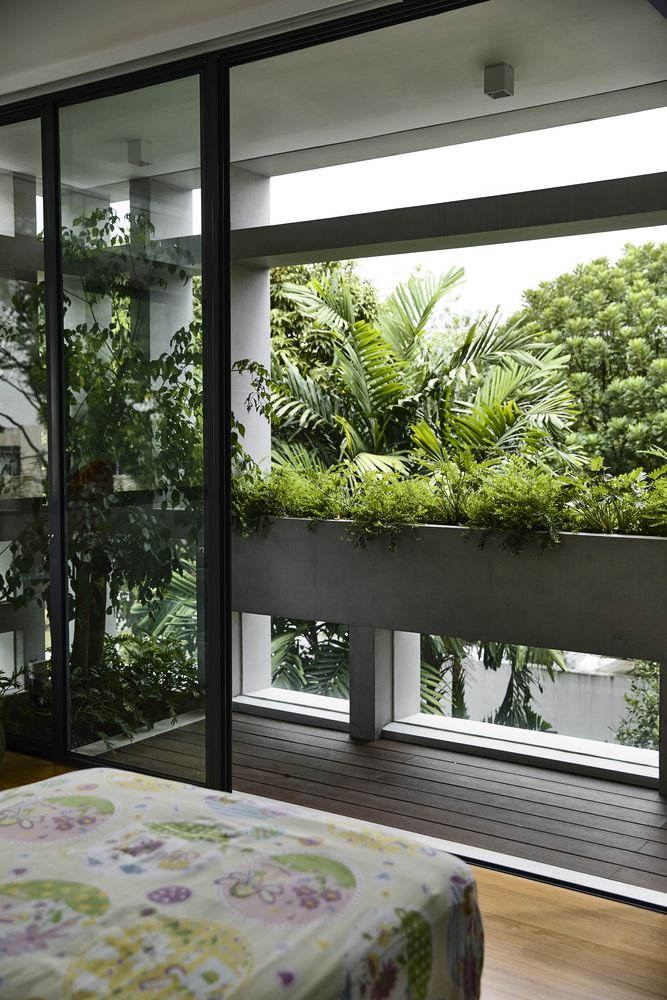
(158, 312)
(251, 338)
(371, 677)
(251, 310)
(407, 673)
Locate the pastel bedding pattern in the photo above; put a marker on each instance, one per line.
(123, 886)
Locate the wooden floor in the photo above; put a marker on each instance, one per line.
(540, 940)
(16, 769)
(587, 825)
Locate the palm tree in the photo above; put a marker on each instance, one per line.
(392, 399)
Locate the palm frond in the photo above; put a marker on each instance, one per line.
(488, 343)
(299, 402)
(365, 462)
(407, 311)
(328, 303)
(293, 455)
(427, 444)
(370, 370)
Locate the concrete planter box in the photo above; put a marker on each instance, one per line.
(594, 593)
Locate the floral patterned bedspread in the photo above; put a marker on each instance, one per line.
(113, 884)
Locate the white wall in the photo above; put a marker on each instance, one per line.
(42, 42)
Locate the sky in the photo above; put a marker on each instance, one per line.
(625, 145)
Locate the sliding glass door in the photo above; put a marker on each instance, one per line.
(131, 257)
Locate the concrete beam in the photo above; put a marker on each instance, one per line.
(600, 206)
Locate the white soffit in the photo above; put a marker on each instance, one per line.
(49, 42)
(419, 85)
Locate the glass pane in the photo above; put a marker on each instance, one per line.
(622, 146)
(132, 285)
(24, 631)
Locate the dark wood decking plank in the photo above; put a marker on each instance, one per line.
(290, 731)
(455, 797)
(159, 747)
(578, 841)
(657, 850)
(169, 769)
(342, 806)
(467, 778)
(575, 785)
(647, 880)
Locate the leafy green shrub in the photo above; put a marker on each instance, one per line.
(515, 497)
(453, 485)
(633, 503)
(286, 493)
(520, 499)
(639, 728)
(653, 520)
(139, 681)
(610, 319)
(380, 504)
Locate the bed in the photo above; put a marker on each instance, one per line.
(114, 884)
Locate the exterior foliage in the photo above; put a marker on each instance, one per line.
(612, 321)
(386, 396)
(387, 421)
(640, 726)
(521, 499)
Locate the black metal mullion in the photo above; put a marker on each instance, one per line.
(215, 317)
(55, 361)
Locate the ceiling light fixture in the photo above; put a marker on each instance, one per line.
(499, 81)
(139, 152)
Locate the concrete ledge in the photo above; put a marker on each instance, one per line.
(593, 593)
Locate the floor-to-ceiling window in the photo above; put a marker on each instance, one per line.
(315, 133)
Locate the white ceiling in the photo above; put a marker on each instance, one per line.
(332, 98)
(46, 41)
(430, 71)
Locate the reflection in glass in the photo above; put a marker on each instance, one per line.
(132, 291)
(24, 631)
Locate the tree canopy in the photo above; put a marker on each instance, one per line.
(611, 318)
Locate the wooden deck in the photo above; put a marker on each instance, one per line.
(586, 825)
